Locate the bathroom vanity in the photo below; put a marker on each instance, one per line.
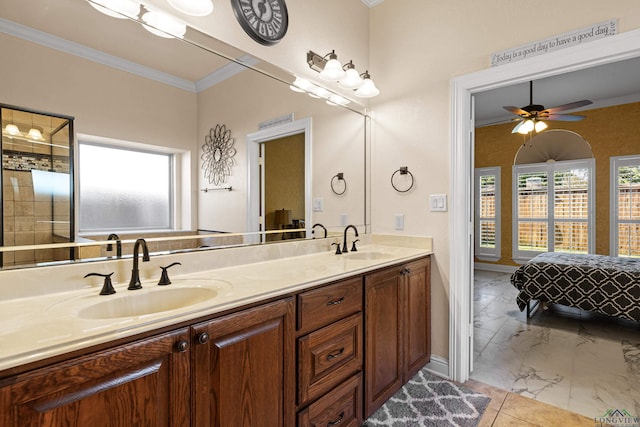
(318, 339)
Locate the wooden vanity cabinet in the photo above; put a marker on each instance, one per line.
(142, 383)
(397, 329)
(244, 368)
(330, 355)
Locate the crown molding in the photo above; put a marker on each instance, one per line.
(371, 3)
(226, 72)
(72, 48)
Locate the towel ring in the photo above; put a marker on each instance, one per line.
(404, 170)
(337, 178)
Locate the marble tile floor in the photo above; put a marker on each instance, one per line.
(575, 360)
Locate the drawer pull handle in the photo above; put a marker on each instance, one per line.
(335, 301)
(336, 421)
(335, 354)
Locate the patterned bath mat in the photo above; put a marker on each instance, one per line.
(428, 400)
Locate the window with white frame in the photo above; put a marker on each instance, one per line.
(124, 189)
(487, 213)
(553, 208)
(625, 206)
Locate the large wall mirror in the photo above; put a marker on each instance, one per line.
(197, 102)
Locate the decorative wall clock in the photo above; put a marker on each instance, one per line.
(265, 21)
(217, 155)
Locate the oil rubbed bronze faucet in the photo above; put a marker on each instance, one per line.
(134, 283)
(345, 249)
(313, 231)
(114, 236)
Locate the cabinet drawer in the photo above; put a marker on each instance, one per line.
(322, 306)
(328, 356)
(341, 407)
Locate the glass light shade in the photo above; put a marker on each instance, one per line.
(163, 25)
(35, 134)
(193, 7)
(351, 80)
(12, 130)
(337, 100)
(526, 127)
(302, 85)
(332, 70)
(321, 92)
(540, 126)
(368, 89)
(120, 9)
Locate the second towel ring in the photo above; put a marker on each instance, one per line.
(404, 170)
(337, 178)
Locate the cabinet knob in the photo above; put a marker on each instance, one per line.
(336, 421)
(182, 346)
(406, 270)
(203, 338)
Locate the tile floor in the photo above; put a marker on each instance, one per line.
(571, 359)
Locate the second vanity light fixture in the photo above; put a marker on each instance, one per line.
(159, 23)
(346, 75)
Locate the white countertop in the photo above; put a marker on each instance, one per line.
(38, 327)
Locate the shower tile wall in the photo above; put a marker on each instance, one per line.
(27, 216)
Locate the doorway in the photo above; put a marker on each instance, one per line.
(611, 49)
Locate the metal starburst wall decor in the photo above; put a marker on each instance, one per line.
(217, 155)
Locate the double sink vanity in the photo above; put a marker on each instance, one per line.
(276, 335)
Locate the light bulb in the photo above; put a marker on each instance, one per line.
(120, 9)
(368, 88)
(193, 7)
(526, 127)
(332, 69)
(163, 25)
(12, 130)
(351, 80)
(540, 126)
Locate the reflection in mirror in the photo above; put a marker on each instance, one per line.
(37, 184)
(130, 89)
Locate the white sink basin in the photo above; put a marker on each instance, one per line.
(139, 304)
(367, 255)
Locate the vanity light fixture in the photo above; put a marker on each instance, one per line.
(346, 75)
(192, 7)
(368, 89)
(315, 91)
(121, 9)
(163, 25)
(35, 134)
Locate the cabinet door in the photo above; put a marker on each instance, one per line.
(417, 346)
(244, 368)
(383, 355)
(143, 383)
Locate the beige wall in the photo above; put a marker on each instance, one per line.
(416, 48)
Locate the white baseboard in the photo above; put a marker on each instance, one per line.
(439, 366)
(494, 267)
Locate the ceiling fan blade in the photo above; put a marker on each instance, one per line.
(569, 106)
(564, 117)
(516, 111)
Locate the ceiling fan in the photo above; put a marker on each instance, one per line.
(531, 116)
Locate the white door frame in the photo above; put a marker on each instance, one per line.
(610, 49)
(253, 153)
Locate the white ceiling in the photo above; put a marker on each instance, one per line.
(606, 85)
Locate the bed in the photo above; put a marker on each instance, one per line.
(598, 283)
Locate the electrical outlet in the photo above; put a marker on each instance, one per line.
(318, 204)
(399, 219)
(343, 220)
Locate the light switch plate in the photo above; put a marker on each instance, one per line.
(318, 204)
(399, 220)
(438, 202)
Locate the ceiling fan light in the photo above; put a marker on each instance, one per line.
(163, 25)
(192, 7)
(12, 130)
(121, 9)
(526, 127)
(540, 126)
